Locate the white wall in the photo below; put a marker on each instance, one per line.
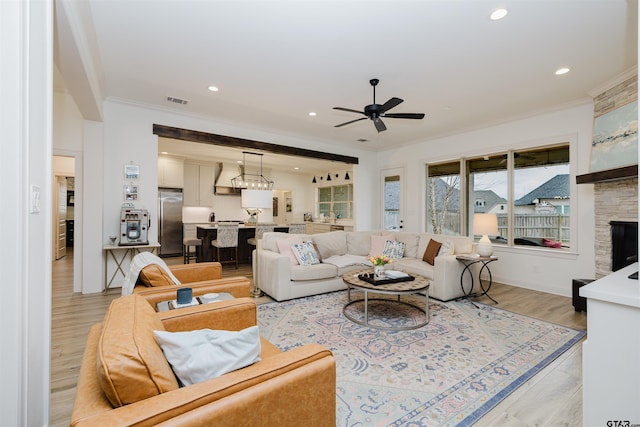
(26, 40)
(545, 270)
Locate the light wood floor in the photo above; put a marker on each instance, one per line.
(551, 398)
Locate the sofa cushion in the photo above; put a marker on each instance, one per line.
(415, 266)
(305, 253)
(410, 241)
(431, 252)
(203, 354)
(284, 247)
(154, 275)
(393, 249)
(131, 366)
(359, 242)
(270, 238)
(331, 243)
(313, 272)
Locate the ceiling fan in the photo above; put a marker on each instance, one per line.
(375, 111)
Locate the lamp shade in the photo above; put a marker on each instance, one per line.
(257, 199)
(485, 224)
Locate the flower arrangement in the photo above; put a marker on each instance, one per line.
(380, 260)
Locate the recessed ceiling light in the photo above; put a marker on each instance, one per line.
(498, 14)
(563, 70)
(164, 152)
(296, 168)
(213, 88)
(312, 114)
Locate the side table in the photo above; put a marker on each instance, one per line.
(131, 251)
(468, 261)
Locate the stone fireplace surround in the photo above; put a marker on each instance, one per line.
(614, 201)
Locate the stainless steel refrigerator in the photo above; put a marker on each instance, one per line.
(170, 222)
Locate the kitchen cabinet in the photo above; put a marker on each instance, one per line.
(325, 227)
(198, 184)
(170, 172)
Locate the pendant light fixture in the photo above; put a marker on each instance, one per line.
(251, 181)
(346, 176)
(328, 177)
(314, 179)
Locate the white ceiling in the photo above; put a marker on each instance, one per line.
(275, 61)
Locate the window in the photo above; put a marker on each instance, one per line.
(336, 200)
(443, 198)
(541, 197)
(528, 190)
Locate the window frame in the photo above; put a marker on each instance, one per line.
(333, 200)
(569, 142)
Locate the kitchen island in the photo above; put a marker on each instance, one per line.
(208, 232)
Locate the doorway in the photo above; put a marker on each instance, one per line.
(392, 199)
(67, 170)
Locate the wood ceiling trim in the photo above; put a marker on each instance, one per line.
(233, 142)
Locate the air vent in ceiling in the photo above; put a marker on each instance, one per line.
(177, 100)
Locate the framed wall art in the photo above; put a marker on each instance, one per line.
(130, 192)
(131, 172)
(615, 139)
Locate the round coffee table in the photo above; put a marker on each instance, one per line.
(418, 285)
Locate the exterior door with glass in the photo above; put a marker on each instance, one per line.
(392, 199)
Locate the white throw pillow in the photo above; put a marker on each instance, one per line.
(284, 247)
(199, 355)
(447, 247)
(305, 253)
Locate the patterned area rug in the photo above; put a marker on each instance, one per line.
(449, 372)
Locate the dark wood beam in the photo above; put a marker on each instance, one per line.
(608, 175)
(233, 142)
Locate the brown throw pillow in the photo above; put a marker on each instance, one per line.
(154, 275)
(432, 251)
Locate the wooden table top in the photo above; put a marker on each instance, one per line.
(418, 284)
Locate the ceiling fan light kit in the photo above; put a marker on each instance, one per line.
(375, 112)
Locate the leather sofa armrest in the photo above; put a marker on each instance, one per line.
(238, 286)
(231, 315)
(260, 394)
(189, 273)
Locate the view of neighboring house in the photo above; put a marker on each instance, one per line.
(532, 212)
(552, 197)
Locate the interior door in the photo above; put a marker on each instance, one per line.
(61, 217)
(392, 199)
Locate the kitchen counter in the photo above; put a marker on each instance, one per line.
(209, 232)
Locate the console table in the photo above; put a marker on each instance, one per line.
(468, 261)
(132, 251)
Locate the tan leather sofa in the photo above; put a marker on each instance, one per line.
(202, 277)
(126, 381)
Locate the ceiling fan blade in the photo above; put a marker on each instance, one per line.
(348, 109)
(391, 103)
(348, 123)
(379, 124)
(405, 115)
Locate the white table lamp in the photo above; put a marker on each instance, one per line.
(485, 225)
(257, 199)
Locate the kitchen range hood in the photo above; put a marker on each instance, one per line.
(223, 185)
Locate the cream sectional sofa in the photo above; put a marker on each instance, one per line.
(343, 252)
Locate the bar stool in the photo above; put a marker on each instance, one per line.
(226, 237)
(186, 249)
(297, 228)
